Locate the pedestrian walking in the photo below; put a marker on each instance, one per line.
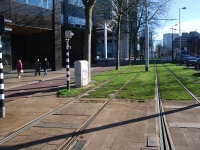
(45, 66)
(37, 67)
(19, 68)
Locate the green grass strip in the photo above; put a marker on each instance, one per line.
(169, 87)
(141, 87)
(109, 74)
(99, 78)
(113, 85)
(189, 77)
(69, 93)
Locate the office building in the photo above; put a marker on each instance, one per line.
(36, 32)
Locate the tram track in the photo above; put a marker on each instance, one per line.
(73, 139)
(27, 126)
(166, 141)
(188, 91)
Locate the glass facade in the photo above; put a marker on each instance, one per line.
(76, 22)
(6, 52)
(77, 3)
(48, 4)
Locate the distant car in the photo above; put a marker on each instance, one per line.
(197, 63)
(182, 58)
(190, 61)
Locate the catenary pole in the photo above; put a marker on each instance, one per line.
(147, 38)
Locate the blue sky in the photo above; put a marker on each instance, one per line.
(189, 17)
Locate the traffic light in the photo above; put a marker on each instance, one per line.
(4, 28)
(68, 34)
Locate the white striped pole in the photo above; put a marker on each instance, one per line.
(2, 107)
(67, 64)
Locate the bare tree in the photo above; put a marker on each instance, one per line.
(89, 5)
(121, 7)
(158, 50)
(136, 20)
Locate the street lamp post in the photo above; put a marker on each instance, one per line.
(172, 43)
(180, 28)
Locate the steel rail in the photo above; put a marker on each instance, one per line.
(15, 133)
(69, 142)
(166, 142)
(192, 94)
(157, 95)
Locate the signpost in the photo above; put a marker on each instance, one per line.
(68, 36)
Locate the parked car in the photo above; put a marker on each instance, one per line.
(190, 61)
(182, 58)
(197, 63)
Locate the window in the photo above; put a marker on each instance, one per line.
(78, 3)
(48, 4)
(76, 21)
(34, 2)
(62, 19)
(71, 20)
(21, 1)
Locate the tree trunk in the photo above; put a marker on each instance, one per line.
(118, 42)
(130, 47)
(135, 46)
(88, 34)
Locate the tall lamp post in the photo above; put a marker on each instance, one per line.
(172, 42)
(147, 38)
(180, 28)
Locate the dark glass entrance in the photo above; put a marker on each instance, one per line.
(6, 52)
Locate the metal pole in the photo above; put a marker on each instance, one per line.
(67, 64)
(151, 46)
(2, 107)
(147, 38)
(180, 32)
(172, 46)
(105, 40)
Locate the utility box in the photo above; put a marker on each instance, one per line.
(81, 73)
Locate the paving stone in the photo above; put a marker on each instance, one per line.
(152, 141)
(49, 147)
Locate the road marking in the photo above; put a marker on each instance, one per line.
(21, 91)
(50, 82)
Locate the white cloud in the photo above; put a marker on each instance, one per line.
(192, 25)
(187, 26)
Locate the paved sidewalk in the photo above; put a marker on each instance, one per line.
(11, 79)
(26, 109)
(122, 125)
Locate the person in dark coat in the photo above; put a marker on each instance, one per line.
(37, 67)
(45, 66)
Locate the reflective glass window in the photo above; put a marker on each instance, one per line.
(78, 3)
(70, 19)
(45, 4)
(62, 19)
(48, 4)
(34, 2)
(22, 1)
